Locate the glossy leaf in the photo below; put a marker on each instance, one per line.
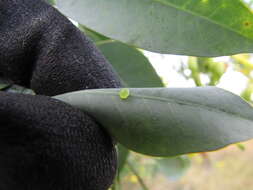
(189, 27)
(168, 122)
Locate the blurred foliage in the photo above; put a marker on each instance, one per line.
(213, 69)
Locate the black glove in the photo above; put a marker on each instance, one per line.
(43, 50)
(47, 145)
(44, 143)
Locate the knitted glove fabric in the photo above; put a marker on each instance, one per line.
(43, 50)
(48, 145)
(44, 143)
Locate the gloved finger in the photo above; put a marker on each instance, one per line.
(46, 144)
(41, 49)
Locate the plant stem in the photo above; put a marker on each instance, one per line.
(141, 182)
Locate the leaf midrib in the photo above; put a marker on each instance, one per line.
(203, 17)
(175, 101)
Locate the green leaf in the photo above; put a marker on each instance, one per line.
(94, 36)
(20, 90)
(4, 86)
(168, 122)
(240, 146)
(174, 168)
(189, 27)
(131, 65)
(52, 2)
(123, 154)
(8, 86)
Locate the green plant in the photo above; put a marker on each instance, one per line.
(167, 122)
(159, 121)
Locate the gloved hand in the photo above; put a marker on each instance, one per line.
(44, 143)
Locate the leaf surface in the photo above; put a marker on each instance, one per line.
(132, 66)
(168, 121)
(188, 27)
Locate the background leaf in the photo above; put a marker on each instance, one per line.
(8, 86)
(5, 84)
(132, 66)
(96, 37)
(52, 2)
(122, 156)
(190, 27)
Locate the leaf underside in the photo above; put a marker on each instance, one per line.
(188, 27)
(168, 122)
